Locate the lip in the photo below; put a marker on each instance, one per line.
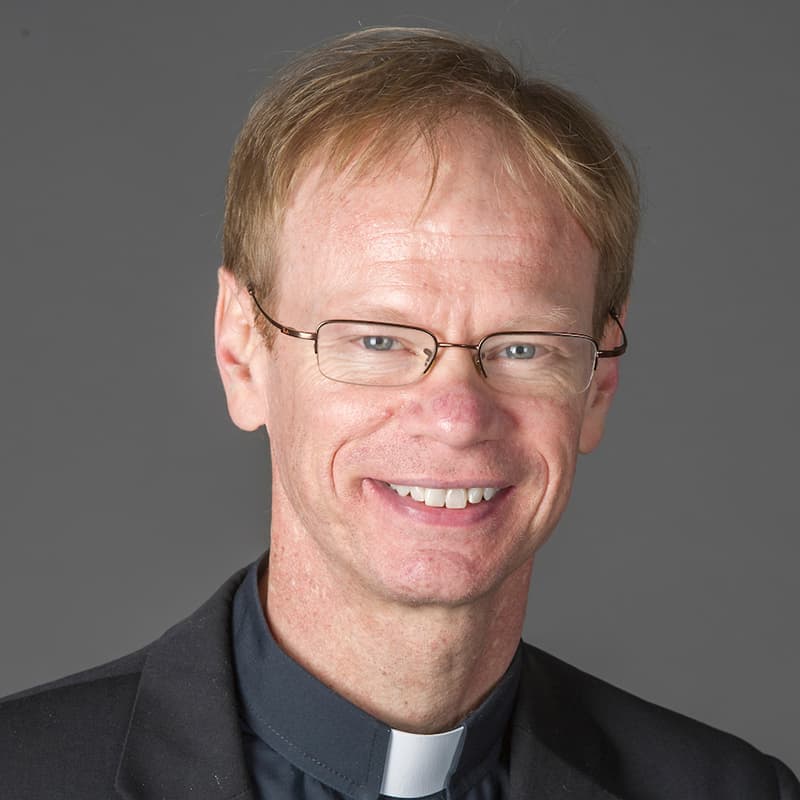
(434, 484)
(428, 515)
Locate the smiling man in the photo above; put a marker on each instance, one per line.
(427, 262)
(412, 485)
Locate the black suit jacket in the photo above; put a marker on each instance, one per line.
(162, 724)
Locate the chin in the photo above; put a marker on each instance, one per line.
(434, 579)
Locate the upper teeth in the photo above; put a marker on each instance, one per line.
(448, 498)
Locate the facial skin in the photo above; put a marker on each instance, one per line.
(479, 256)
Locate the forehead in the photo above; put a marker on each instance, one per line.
(393, 229)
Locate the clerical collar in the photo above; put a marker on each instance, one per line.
(337, 743)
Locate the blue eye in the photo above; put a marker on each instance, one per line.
(520, 351)
(378, 342)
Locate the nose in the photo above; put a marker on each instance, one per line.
(473, 349)
(453, 403)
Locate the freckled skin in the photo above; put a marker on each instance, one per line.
(480, 254)
(445, 603)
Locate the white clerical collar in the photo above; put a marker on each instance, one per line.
(418, 764)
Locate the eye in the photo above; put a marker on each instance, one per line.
(519, 351)
(380, 343)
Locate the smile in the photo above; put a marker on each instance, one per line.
(445, 498)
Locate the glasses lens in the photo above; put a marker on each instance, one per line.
(373, 354)
(539, 363)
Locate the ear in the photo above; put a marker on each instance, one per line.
(601, 392)
(237, 345)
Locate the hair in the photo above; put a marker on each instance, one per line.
(361, 99)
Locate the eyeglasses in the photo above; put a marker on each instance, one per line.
(368, 353)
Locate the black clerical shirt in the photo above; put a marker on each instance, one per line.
(305, 742)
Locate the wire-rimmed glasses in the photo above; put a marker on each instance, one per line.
(371, 353)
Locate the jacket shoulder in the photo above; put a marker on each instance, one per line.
(68, 733)
(130, 664)
(651, 746)
(65, 739)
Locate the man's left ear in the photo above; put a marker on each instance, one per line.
(601, 392)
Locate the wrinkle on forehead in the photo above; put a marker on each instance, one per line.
(476, 222)
(468, 157)
(340, 213)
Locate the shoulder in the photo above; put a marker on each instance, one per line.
(66, 738)
(70, 699)
(67, 732)
(649, 745)
(120, 668)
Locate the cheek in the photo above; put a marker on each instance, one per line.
(358, 422)
(322, 426)
(554, 435)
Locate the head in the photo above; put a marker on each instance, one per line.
(367, 97)
(412, 178)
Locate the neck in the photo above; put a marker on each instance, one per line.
(418, 668)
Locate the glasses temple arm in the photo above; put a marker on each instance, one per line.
(282, 328)
(617, 351)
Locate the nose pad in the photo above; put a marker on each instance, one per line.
(452, 405)
(429, 355)
(432, 354)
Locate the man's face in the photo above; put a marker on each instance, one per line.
(479, 256)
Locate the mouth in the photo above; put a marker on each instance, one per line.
(446, 497)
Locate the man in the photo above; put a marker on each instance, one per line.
(427, 262)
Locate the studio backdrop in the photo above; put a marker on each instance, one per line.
(128, 495)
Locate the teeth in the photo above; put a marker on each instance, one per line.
(445, 498)
(456, 498)
(435, 497)
(475, 495)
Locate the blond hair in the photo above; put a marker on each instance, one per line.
(364, 97)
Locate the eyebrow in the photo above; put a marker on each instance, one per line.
(552, 318)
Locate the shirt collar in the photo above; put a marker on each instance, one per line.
(329, 738)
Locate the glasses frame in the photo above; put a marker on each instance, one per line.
(614, 352)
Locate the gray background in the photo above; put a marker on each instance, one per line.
(128, 496)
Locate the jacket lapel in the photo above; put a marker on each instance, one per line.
(184, 738)
(557, 750)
